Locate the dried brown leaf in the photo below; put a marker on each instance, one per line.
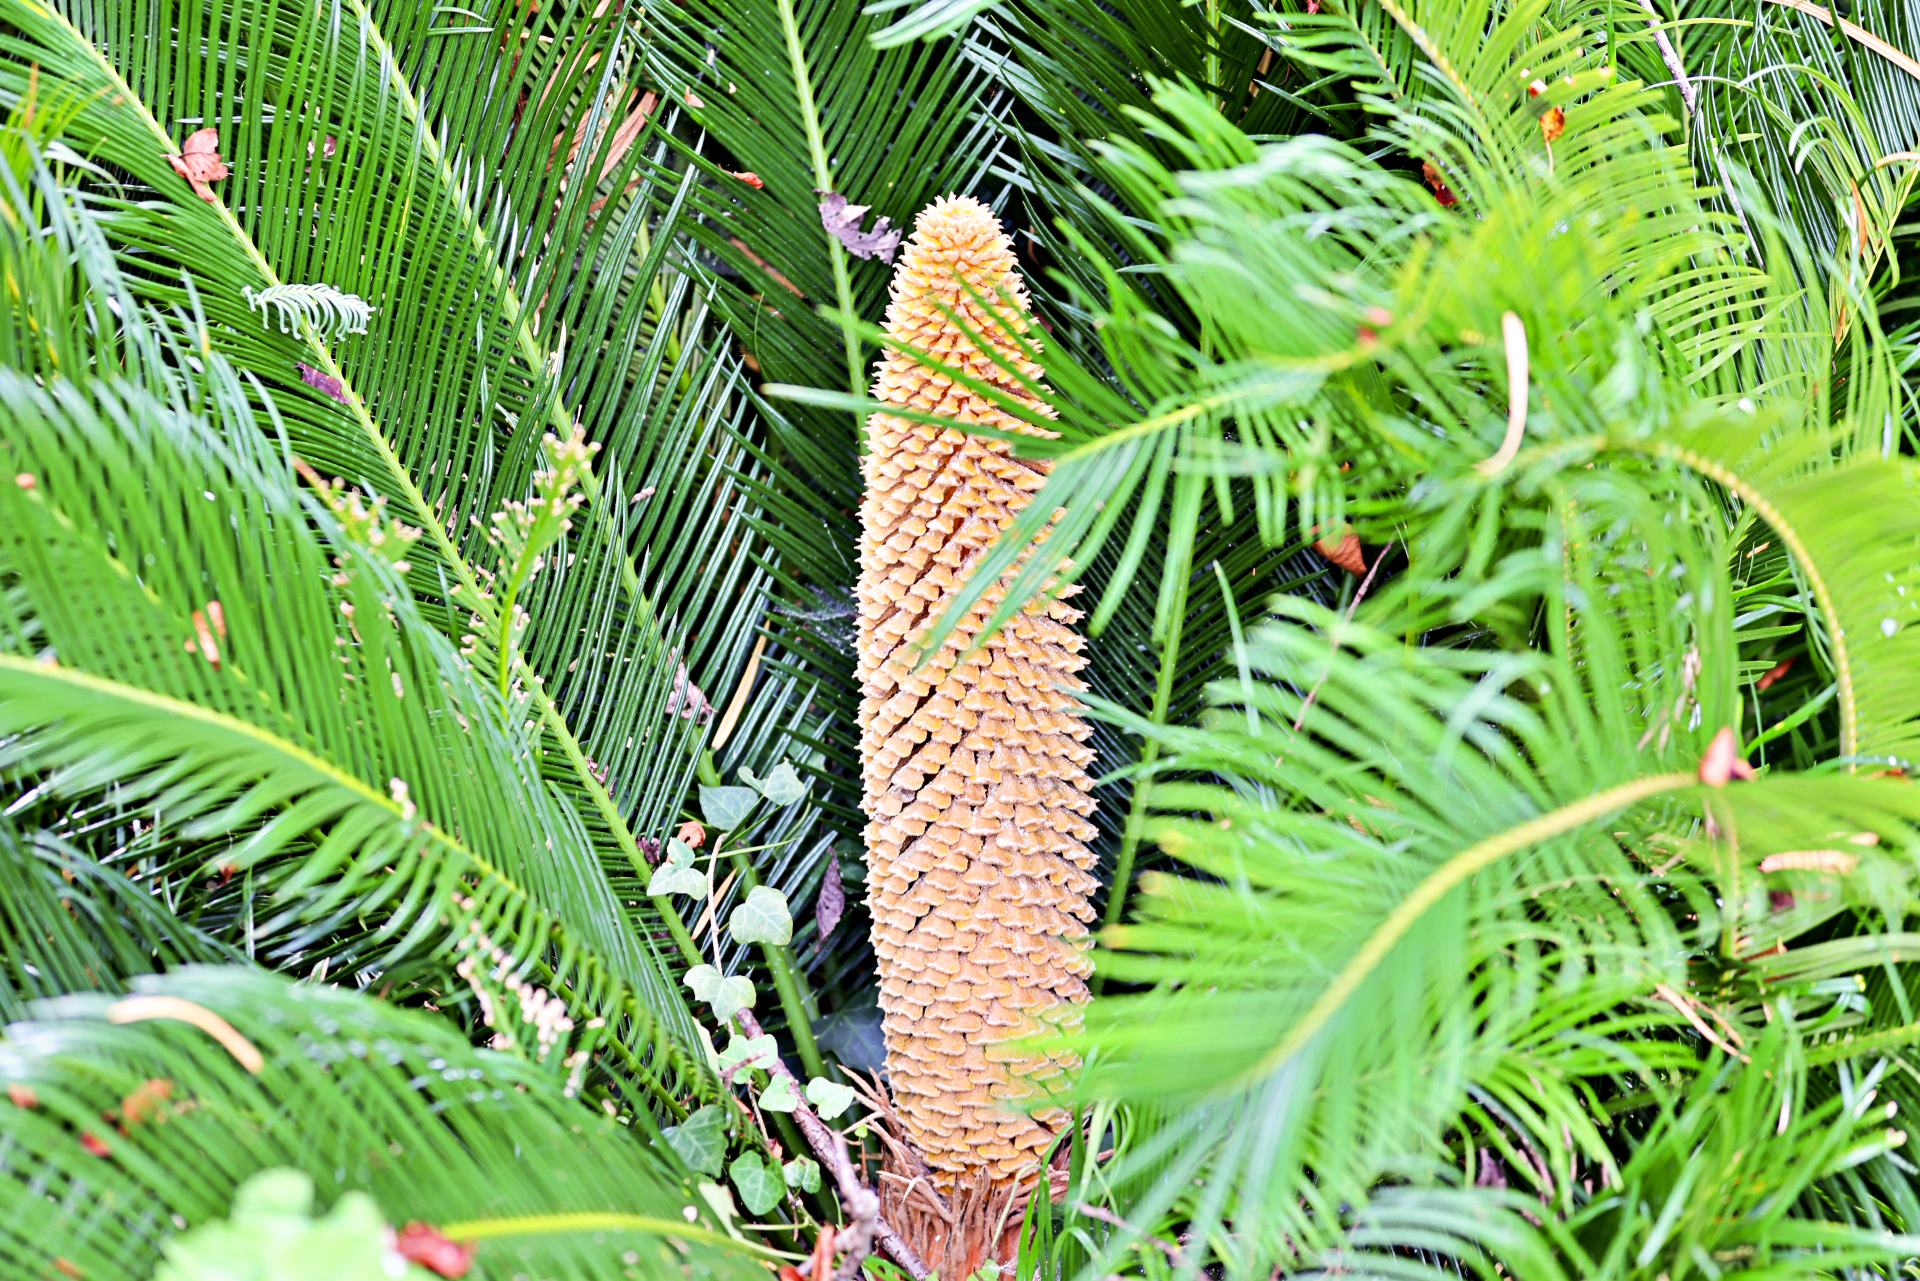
(842, 222)
(199, 162)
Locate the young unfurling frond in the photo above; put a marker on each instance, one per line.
(331, 312)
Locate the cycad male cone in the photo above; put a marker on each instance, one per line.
(975, 772)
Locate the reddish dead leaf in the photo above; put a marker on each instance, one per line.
(823, 1251)
(199, 162)
(761, 263)
(1345, 553)
(750, 178)
(1780, 900)
(208, 650)
(1723, 761)
(1553, 124)
(1438, 182)
(66, 1268)
(1774, 673)
(790, 1273)
(618, 146)
(691, 834)
(1313, 6)
(842, 222)
(325, 384)
(693, 101)
(92, 1145)
(418, 1243)
(831, 904)
(25, 480)
(1537, 88)
(147, 1102)
(22, 1096)
(629, 130)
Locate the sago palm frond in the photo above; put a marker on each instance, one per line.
(279, 700)
(502, 259)
(127, 1122)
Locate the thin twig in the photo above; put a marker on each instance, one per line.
(1685, 1007)
(1671, 56)
(863, 1208)
(1352, 605)
(861, 1202)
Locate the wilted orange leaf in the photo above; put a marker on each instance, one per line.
(199, 162)
(1345, 553)
(147, 1101)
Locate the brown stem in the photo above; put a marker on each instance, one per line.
(1354, 604)
(861, 1202)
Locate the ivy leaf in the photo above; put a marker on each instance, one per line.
(829, 1099)
(802, 1172)
(703, 979)
(679, 853)
(728, 995)
(749, 1051)
(701, 1139)
(779, 1097)
(727, 807)
(760, 1188)
(762, 918)
(733, 995)
(668, 879)
(720, 1201)
(782, 786)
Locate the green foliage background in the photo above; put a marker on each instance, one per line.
(1431, 944)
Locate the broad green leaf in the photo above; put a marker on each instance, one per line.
(749, 1051)
(732, 995)
(679, 853)
(727, 807)
(701, 1139)
(760, 1186)
(727, 994)
(668, 879)
(272, 1228)
(781, 786)
(803, 1172)
(762, 918)
(703, 979)
(779, 1096)
(829, 1098)
(720, 1201)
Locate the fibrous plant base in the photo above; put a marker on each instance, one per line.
(975, 772)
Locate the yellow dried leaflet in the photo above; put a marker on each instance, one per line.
(975, 773)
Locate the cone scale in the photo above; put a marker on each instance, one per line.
(974, 773)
